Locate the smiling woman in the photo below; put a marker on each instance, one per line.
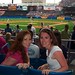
(18, 52)
(54, 53)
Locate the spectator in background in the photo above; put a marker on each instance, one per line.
(33, 29)
(8, 29)
(29, 29)
(1, 32)
(55, 58)
(8, 36)
(9, 40)
(73, 38)
(17, 29)
(18, 53)
(58, 37)
(3, 45)
(72, 47)
(65, 34)
(42, 25)
(33, 50)
(51, 28)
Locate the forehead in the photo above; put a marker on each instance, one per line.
(27, 36)
(44, 34)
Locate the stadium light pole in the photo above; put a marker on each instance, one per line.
(12, 1)
(54, 2)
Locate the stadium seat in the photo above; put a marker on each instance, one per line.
(12, 70)
(36, 62)
(2, 57)
(69, 72)
(32, 71)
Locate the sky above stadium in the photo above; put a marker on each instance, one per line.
(19, 1)
(53, 1)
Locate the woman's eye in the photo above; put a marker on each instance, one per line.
(46, 37)
(25, 39)
(41, 37)
(30, 39)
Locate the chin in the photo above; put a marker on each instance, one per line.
(44, 46)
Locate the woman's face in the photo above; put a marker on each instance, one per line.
(26, 41)
(45, 40)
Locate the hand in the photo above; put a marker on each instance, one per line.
(22, 65)
(25, 65)
(41, 67)
(45, 71)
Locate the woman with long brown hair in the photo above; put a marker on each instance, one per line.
(18, 52)
(55, 58)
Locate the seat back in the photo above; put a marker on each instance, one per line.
(69, 72)
(4, 46)
(36, 62)
(11, 70)
(32, 71)
(2, 57)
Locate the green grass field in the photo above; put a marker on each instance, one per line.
(56, 24)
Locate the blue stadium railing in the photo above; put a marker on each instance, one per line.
(35, 62)
(13, 70)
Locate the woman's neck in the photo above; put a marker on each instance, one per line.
(50, 48)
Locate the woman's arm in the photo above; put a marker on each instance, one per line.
(62, 61)
(60, 58)
(9, 61)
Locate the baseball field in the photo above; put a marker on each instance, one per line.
(22, 22)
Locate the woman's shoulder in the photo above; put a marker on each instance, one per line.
(56, 48)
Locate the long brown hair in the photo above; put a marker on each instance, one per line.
(17, 46)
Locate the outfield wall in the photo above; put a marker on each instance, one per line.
(39, 17)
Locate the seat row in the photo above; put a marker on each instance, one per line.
(13, 70)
